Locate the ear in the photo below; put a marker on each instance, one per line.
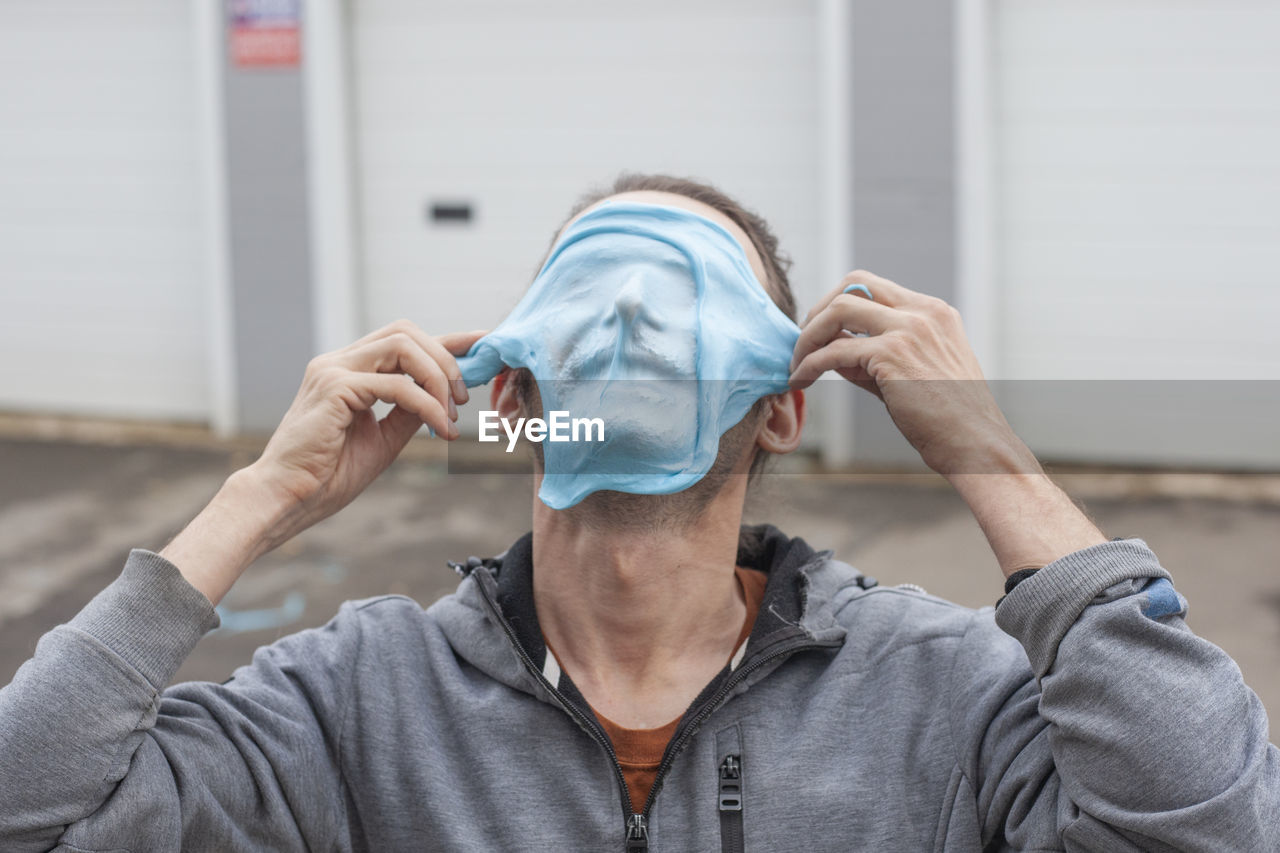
(502, 395)
(780, 432)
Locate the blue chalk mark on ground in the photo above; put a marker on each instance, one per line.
(1163, 600)
(239, 621)
(267, 618)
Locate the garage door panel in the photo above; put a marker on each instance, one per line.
(1137, 170)
(1210, 149)
(520, 109)
(102, 308)
(1072, 92)
(1145, 210)
(1138, 31)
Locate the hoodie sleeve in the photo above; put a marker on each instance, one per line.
(1129, 732)
(95, 755)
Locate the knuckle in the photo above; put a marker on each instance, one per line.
(846, 303)
(858, 276)
(402, 327)
(917, 324)
(895, 344)
(939, 307)
(328, 378)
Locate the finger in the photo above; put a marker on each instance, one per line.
(846, 312)
(458, 343)
(375, 335)
(845, 353)
(444, 355)
(453, 344)
(403, 353)
(397, 428)
(449, 346)
(885, 291)
(879, 287)
(401, 391)
(845, 283)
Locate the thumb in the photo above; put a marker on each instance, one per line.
(457, 343)
(397, 428)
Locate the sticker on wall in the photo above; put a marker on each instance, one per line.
(265, 33)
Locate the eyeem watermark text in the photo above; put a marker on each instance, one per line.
(558, 427)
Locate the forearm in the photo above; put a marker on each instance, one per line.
(75, 713)
(243, 521)
(1028, 521)
(1153, 732)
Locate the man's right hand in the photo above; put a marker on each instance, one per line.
(327, 449)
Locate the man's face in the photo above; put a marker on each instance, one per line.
(645, 330)
(631, 358)
(637, 350)
(648, 330)
(642, 329)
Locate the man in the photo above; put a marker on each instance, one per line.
(640, 672)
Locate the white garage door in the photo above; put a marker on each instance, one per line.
(1137, 152)
(515, 109)
(100, 297)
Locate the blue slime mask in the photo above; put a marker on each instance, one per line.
(650, 318)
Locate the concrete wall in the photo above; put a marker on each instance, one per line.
(267, 201)
(904, 169)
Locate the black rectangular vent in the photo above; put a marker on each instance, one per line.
(450, 212)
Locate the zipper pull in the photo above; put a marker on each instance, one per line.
(731, 784)
(637, 834)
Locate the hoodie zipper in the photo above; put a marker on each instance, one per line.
(636, 837)
(730, 774)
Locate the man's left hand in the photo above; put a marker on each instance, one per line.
(910, 350)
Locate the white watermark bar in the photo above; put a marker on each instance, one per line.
(1185, 424)
(559, 426)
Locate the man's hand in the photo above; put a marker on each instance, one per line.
(916, 358)
(329, 446)
(327, 449)
(910, 350)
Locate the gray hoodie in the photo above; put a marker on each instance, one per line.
(1082, 714)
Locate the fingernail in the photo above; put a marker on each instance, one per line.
(453, 432)
(453, 410)
(460, 392)
(431, 432)
(865, 290)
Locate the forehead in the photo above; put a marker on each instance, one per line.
(677, 200)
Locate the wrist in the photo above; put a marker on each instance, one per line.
(243, 521)
(1028, 521)
(269, 512)
(1006, 455)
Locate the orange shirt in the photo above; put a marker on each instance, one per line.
(640, 750)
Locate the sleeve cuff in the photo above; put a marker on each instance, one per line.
(1041, 609)
(150, 616)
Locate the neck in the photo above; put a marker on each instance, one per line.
(641, 617)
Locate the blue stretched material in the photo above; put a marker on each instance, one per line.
(649, 317)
